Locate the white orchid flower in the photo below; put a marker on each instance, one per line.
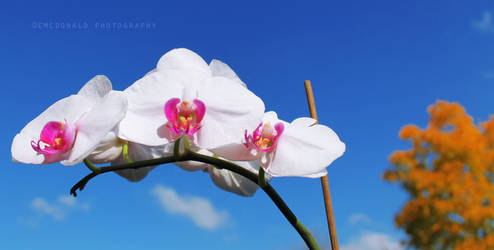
(70, 129)
(184, 98)
(221, 69)
(300, 148)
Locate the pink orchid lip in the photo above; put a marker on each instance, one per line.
(184, 117)
(55, 138)
(264, 138)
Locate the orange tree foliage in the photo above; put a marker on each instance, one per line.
(449, 174)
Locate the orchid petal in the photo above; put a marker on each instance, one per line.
(231, 109)
(51, 131)
(219, 68)
(303, 122)
(200, 110)
(305, 151)
(137, 152)
(171, 110)
(237, 152)
(193, 166)
(23, 152)
(109, 149)
(183, 59)
(144, 119)
(235, 183)
(96, 88)
(270, 117)
(150, 72)
(96, 124)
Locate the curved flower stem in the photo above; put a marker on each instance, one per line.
(101, 170)
(91, 166)
(219, 163)
(261, 178)
(268, 189)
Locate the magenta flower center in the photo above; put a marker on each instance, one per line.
(184, 117)
(265, 136)
(56, 137)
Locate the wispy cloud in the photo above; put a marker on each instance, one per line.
(485, 24)
(359, 218)
(56, 210)
(42, 206)
(489, 75)
(198, 209)
(373, 241)
(70, 201)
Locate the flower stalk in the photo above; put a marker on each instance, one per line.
(188, 155)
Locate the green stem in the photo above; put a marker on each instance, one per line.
(222, 164)
(125, 152)
(261, 179)
(176, 148)
(101, 170)
(91, 166)
(268, 189)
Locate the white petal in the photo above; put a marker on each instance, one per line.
(183, 59)
(303, 122)
(317, 175)
(160, 151)
(137, 152)
(230, 110)
(305, 151)
(270, 117)
(235, 183)
(193, 166)
(23, 152)
(219, 68)
(237, 152)
(70, 109)
(96, 88)
(150, 72)
(96, 124)
(107, 150)
(145, 119)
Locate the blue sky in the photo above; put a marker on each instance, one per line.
(375, 66)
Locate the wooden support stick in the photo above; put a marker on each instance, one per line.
(324, 180)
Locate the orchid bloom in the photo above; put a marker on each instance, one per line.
(70, 129)
(301, 148)
(219, 69)
(185, 97)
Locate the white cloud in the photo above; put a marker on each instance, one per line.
(57, 210)
(359, 218)
(489, 75)
(67, 200)
(42, 206)
(198, 209)
(373, 241)
(485, 24)
(71, 201)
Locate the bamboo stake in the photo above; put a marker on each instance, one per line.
(324, 179)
